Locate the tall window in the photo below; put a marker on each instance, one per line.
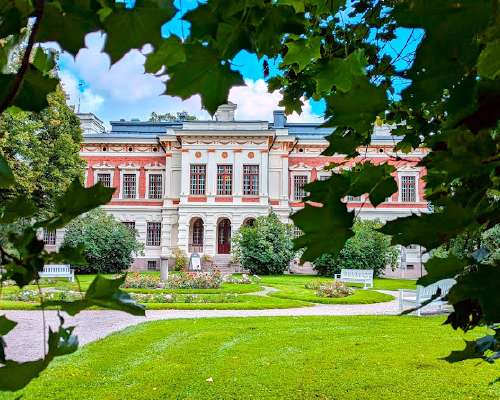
(197, 236)
(224, 179)
(408, 189)
(49, 237)
(250, 179)
(129, 186)
(155, 189)
(153, 234)
(299, 181)
(105, 179)
(129, 224)
(198, 178)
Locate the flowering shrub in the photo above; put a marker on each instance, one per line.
(334, 289)
(188, 298)
(154, 298)
(136, 280)
(49, 294)
(315, 285)
(243, 280)
(195, 280)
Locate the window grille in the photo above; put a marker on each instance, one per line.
(299, 181)
(224, 179)
(129, 186)
(408, 189)
(155, 186)
(250, 179)
(153, 235)
(152, 265)
(197, 179)
(49, 237)
(105, 179)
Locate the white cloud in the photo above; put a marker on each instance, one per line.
(124, 90)
(254, 102)
(87, 100)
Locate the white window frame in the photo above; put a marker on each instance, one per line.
(129, 172)
(155, 172)
(402, 174)
(294, 188)
(293, 173)
(106, 170)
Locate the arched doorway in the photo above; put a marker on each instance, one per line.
(196, 235)
(249, 222)
(224, 236)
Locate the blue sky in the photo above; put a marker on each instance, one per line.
(123, 90)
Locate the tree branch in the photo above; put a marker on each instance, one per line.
(39, 8)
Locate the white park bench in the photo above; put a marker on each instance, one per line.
(57, 271)
(414, 298)
(364, 276)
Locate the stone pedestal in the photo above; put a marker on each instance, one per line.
(164, 269)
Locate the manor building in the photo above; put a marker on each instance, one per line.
(192, 184)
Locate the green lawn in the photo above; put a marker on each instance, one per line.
(337, 358)
(292, 293)
(360, 296)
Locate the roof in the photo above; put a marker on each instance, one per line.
(135, 129)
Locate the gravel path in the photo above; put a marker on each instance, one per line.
(94, 325)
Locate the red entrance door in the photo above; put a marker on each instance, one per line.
(224, 237)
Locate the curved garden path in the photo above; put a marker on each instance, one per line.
(96, 324)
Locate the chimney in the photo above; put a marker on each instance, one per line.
(279, 119)
(225, 112)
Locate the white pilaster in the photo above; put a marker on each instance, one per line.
(211, 174)
(264, 173)
(185, 174)
(238, 175)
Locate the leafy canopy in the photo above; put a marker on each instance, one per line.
(332, 50)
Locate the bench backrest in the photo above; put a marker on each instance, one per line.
(356, 273)
(57, 269)
(427, 291)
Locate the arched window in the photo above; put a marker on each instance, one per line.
(249, 222)
(196, 237)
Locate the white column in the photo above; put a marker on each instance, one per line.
(210, 235)
(183, 233)
(167, 178)
(284, 178)
(264, 173)
(185, 174)
(238, 174)
(211, 174)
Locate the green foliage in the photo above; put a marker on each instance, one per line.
(264, 248)
(43, 151)
(180, 259)
(169, 117)
(367, 249)
(109, 245)
(332, 220)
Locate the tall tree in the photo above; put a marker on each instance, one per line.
(43, 151)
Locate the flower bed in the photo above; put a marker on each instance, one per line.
(189, 280)
(195, 280)
(48, 294)
(186, 298)
(243, 280)
(334, 289)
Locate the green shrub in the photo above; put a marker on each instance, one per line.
(264, 248)
(334, 289)
(367, 249)
(109, 245)
(180, 259)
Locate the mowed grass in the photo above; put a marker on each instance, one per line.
(291, 293)
(359, 296)
(348, 358)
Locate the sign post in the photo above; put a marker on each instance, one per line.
(195, 262)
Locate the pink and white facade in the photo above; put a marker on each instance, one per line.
(191, 184)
